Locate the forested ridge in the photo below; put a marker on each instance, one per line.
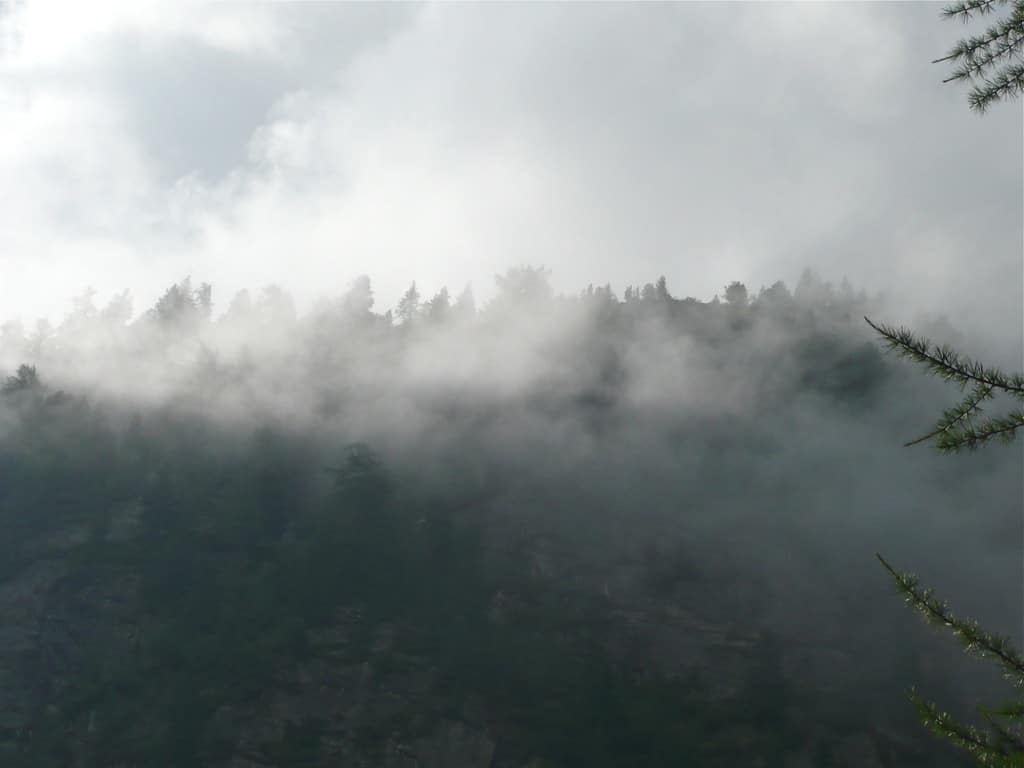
(549, 531)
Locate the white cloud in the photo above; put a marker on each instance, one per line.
(306, 144)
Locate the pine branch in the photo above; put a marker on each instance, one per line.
(947, 364)
(1003, 428)
(993, 57)
(968, 48)
(1009, 711)
(967, 8)
(1005, 738)
(953, 418)
(987, 751)
(956, 430)
(1003, 32)
(1007, 83)
(978, 54)
(974, 639)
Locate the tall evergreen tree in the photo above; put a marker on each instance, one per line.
(409, 305)
(465, 305)
(437, 308)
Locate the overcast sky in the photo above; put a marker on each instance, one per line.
(307, 143)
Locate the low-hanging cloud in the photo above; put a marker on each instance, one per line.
(444, 143)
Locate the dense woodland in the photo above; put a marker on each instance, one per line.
(547, 531)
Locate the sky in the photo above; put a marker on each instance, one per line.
(305, 144)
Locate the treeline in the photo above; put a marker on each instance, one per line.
(184, 308)
(261, 351)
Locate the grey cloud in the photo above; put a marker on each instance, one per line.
(610, 142)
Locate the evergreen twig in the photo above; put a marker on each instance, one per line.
(967, 8)
(954, 418)
(991, 61)
(1003, 428)
(974, 639)
(1003, 746)
(987, 750)
(945, 363)
(957, 429)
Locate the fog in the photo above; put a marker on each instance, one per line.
(266, 503)
(445, 143)
(744, 456)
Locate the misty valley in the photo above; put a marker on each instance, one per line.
(551, 531)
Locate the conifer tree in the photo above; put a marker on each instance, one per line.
(409, 305)
(991, 62)
(438, 308)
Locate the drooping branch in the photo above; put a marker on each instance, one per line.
(1007, 82)
(967, 8)
(1003, 428)
(957, 430)
(953, 420)
(975, 640)
(986, 750)
(992, 60)
(947, 364)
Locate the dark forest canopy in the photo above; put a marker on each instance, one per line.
(549, 531)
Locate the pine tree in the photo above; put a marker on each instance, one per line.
(464, 307)
(409, 306)
(736, 294)
(438, 308)
(991, 62)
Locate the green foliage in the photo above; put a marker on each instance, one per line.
(990, 61)
(1003, 744)
(974, 639)
(958, 429)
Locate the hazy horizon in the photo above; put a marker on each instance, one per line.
(306, 144)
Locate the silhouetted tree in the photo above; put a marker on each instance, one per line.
(39, 337)
(358, 301)
(408, 306)
(118, 310)
(465, 304)
(26, 378)
(240, 307)
(83, 312)
(182, 306)
(523, 286)
(775, 295)
(812, 290)
(438, 308)
(661, 290)
(736, 294)
(276, 308)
